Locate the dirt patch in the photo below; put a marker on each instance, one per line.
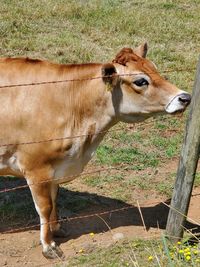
(23, 248)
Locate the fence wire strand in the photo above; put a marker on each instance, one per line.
(71, 137)
(60, 138)
(86, 79)
(74, 218)
(70, 177)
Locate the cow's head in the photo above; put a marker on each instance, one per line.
(138, 89)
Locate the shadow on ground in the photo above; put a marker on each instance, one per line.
(17, 211)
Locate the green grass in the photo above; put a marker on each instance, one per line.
(109, 155)
(127, 181)
(100, 181)
(141, 253)
(145, 147)
(94, 31)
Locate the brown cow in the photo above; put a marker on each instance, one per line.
(131, 90)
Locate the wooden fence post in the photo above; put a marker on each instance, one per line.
(187, 167)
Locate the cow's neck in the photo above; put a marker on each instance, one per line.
(96, 126)
(93, 116)
(89, 130)
(89, 103)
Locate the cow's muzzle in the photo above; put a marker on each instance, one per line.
(185, 99)
(178, 103)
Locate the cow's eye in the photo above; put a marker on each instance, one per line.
(141, 82)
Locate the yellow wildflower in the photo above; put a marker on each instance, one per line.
(195, 252)
(178, 243)
(188, 253)
(180, 251)
(81, 250)
(188, 258)
(92, 234)
(186, 249)
(150, 258)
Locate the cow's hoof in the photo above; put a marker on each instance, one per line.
(53, 252)
(61, 233)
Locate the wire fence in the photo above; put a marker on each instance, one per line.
(59, 138)
(100, 215)
(86, 216)
(70, 137)
(110, 211)
(70, 177)
(88, 79)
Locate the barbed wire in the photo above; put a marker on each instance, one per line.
(180, 213)
(68, 219)
(86, 79)
(67, 137)
(71, 177)
(77, 136)
(98, 215)
(59, 138)
(86, 216)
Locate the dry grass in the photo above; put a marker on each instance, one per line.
(88, 31)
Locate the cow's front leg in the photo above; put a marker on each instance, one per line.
(56, 228)
(43, 203)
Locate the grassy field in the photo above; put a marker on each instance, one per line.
(94, 31)
(141, 253)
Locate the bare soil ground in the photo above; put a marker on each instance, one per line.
(22, 248)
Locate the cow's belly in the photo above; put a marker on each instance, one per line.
(68, 168)
(64, 170)
(9, 165)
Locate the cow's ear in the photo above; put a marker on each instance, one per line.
(109, 75)
(141, 50)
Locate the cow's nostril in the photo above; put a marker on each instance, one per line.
(185, 98)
